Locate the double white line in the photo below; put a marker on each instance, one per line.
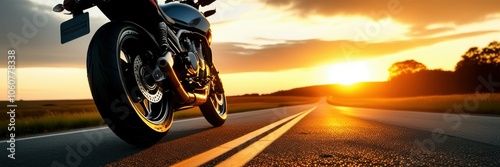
(244, 156)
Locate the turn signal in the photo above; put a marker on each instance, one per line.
(58, 8)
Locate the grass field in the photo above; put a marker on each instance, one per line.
(487, 104)
(47, 116)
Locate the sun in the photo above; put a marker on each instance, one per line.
(348, 73)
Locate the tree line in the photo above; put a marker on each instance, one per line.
(412, 78)
(477, 66)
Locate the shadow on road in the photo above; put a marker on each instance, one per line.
(118, 150)
(90, 148)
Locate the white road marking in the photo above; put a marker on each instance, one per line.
(58, 134)
(206, 156)
(81, 131)
(247, 154)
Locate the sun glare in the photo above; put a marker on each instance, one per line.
(348, 73)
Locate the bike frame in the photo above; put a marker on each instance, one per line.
(145, 15)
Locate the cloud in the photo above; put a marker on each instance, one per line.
(32, 29)
(234, 58)
(418, 13)
(44, 49)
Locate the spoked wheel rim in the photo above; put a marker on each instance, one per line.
(146, 96)
(219, 102)
(215, 109)
(218, 99)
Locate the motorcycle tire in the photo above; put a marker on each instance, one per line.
(117, 57)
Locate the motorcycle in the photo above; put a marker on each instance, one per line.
(148, 62)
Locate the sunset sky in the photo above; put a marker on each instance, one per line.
(262, 46)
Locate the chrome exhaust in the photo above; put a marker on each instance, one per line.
(166, 64)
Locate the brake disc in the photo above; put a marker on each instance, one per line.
(143, 77)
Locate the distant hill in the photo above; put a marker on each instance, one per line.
(359, 89)
(375, 89)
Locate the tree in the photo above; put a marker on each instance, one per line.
(405, 67)
(478, 61)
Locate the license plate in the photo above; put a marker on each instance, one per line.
(76, 27)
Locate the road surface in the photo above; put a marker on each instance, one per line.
(307, 135)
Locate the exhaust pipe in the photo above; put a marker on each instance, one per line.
(166, 64)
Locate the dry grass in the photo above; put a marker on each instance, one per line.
(47, 116)
(488, 104)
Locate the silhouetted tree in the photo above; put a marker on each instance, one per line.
(405, 67)
(479, 62)
(475, 58)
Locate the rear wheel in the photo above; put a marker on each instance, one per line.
(119, 65)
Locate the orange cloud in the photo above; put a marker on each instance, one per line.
(418, 13)
(232, 58)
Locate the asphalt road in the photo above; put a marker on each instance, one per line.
(308, 135)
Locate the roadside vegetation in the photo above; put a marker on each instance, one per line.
(480, 104)
(33, 117)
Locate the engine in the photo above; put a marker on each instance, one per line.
(194, 66)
